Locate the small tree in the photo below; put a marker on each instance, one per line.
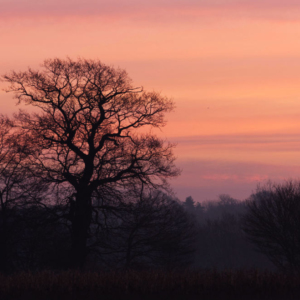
(88, 135)
(272, 222)
(189, 203)
(152, 230)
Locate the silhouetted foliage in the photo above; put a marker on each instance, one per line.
(272, 222)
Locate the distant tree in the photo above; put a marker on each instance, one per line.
(225, 199)
(224, 205)
(89, 131)
(189, 204)
(272, 222)
(199, 208)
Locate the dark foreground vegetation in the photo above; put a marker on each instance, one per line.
(254, 285)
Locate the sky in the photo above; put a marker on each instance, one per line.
(232, 68)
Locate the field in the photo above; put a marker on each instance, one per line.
(251, 284)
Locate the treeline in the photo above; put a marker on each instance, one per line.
(261, 232)
(84, 185)
(152, 232)
(158, 231)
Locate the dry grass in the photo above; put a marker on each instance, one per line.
(151, 284)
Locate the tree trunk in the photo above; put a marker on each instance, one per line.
(4, 260)
(4, 236)
(81, 221)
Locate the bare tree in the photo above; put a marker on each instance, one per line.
(89, 130)
(272, 222)
(150, 230)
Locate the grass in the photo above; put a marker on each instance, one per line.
(251, 284)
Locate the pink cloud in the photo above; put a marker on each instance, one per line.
(247, 142)
(235, 178)
(205, 180)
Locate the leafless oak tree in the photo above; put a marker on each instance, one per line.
(89, 130)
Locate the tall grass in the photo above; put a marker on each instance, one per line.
(251, 284)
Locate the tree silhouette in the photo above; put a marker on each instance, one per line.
(272, 222)
(90, 132)
(151, 230)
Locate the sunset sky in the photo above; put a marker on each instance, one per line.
(232, 68)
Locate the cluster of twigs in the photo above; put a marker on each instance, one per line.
(249, 284)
